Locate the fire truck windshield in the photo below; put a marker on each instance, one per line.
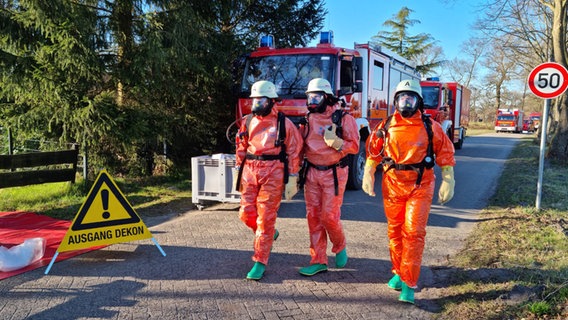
(506, 118)
(430, 96)
(290, 73)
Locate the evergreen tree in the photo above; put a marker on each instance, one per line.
(408, 46)
(128, 77)
(47, 66)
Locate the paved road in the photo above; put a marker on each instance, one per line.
(208, 255)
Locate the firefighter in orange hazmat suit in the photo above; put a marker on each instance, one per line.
(264, 163)
(401, 145)
(326, 147)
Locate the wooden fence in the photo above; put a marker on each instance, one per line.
(38, 167)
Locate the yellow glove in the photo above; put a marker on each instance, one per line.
(446, 192)
(291, 187)
(369, 177)
(235, 172)
(331, 139)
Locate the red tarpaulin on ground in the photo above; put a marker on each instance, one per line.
(15, 227)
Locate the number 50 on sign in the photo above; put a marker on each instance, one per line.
(548, 80)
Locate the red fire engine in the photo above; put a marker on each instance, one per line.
(364, 78)
(448, 103)
(535, 117)
(509, 120)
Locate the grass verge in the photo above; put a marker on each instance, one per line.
(515, 263)
(150, 196)
(477, 128)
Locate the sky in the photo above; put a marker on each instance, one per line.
(450, 22)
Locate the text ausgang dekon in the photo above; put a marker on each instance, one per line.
(106, 235)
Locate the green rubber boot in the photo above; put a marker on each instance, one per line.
(276, 234)
(395, 283)
(313, 269)
(407, 294)
(341, 258)
(256, 272)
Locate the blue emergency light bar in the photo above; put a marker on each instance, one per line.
(326, 37)
(267, 41)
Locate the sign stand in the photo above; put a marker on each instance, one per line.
(158, 246)
(105, 218)
(51, 262)
(57, 253)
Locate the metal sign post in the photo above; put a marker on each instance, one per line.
(541, 156)
(548, 80)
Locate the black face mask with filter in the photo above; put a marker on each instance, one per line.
(262, 110)
(317, 108)
(407, 109)
(328, 100)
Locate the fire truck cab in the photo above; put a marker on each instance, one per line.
(448, 103)
(535, 117)
(509, 120)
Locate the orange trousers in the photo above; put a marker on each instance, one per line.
(261, 193)
(407, 208)
(323, 212)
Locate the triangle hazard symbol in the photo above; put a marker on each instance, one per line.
(105, 206)
(105, 218)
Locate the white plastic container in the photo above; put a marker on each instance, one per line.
(212, 179)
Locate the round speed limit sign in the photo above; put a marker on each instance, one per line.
(548, 80)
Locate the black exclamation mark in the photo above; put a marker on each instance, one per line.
(104, 196)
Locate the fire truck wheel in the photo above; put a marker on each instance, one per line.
(356, 168)
(458, 145)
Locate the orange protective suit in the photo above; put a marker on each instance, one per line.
(323, 206)
(406, 204)
(262, 181)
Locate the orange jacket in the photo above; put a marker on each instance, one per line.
(259, 139)
(406, 143)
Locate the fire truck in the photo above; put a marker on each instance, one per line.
(364, 78)
(535, 117)
(509, 120)
(448, 103)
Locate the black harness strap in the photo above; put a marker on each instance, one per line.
(242, 165)
(342, 164)
(280, 143)
(262, 157)
(240, 174)
(336, 118)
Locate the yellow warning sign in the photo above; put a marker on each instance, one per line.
(106, 217)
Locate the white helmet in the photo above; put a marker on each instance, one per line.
(319, 84)
(409, 85)
(263, 89)
(408, 98)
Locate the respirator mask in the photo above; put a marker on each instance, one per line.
(316, 102)
(262, 106)
(407, 103)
